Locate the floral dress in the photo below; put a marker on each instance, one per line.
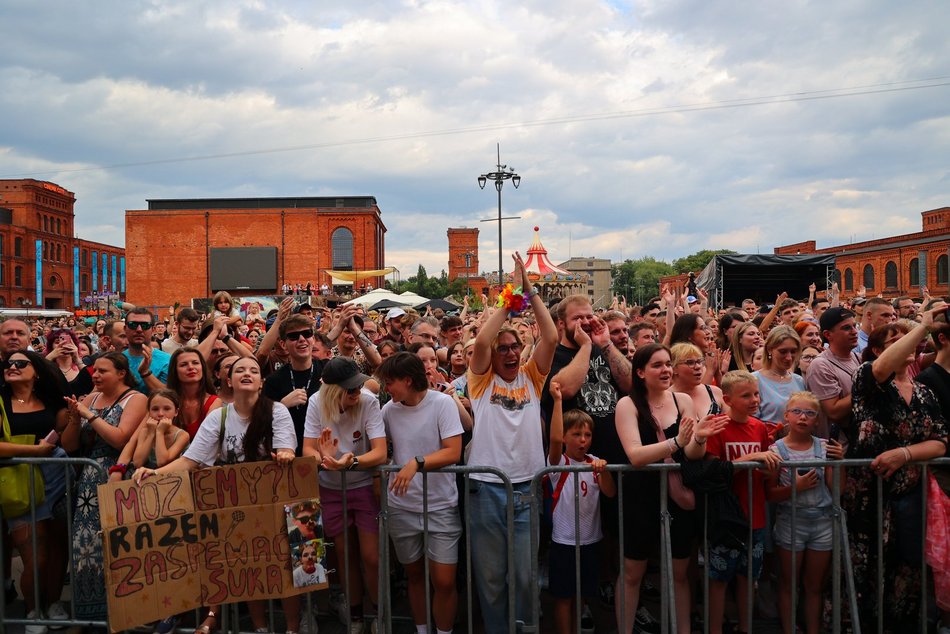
(883, 420)
(89, 583)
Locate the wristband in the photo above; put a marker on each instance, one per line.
(145, 375)
(676, 442)
(225, 339)
(696, 440)
(907, 456)
(671, 443)
(118, 468)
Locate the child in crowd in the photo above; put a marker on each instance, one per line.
(571, 435)
(224, 307)
(159, 440)
(813, 530)
(745, 439)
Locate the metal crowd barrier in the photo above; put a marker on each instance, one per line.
(842, 579)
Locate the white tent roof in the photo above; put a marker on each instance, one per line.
(412, 299)
(377, 295)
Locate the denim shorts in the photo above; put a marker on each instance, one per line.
(813, 531)
(725, 562)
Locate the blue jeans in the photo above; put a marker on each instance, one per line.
(489, 534)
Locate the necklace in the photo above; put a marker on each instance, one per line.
(781, 376)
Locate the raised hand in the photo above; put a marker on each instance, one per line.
(555, 390)
(581, 338)
(710, 425)
(599, 334)
(327, 443)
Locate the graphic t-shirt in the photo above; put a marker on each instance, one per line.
(507, 432)
(735, 441)
(209, 446)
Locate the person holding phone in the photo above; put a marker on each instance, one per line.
(62, 348)
(809, 539)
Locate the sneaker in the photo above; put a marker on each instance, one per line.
(606, 592)
(587, 621)
(645, 623)
(57, 612)
(356, 627)
(165, 626)
(35, 629)
(339, 605)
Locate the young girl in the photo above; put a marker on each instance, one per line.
(570, 439)
(812, 535)
(224, 307)
(160, 438)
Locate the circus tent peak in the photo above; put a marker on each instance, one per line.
(538, 261)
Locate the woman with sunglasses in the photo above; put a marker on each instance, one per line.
(255, 428)
(104, 420)
(33, 404)
(344, 430)
(189, 378)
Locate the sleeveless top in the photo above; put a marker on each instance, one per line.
(714, 406)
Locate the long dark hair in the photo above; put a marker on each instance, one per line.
(174, 383)
(259, 438)
(683, 327)
(638, 391)
(49, 386)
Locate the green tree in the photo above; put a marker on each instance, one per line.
(698, 260)
(639, 280)
(420, 282)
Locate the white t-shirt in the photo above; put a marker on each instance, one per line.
(303, 579)
(562, 518)
(507, 432)
(353, 433)
(170, 345)
(419, 431)
(206, 448)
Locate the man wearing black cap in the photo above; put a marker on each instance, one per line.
(830, 375)
(294, 382)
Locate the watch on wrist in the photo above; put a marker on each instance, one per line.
(225, 338)
(421, 462)
(353, 465)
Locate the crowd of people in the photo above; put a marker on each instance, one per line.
(511, 389)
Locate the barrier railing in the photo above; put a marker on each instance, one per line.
(842, 588)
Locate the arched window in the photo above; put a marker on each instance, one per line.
(942, 269)
(848, 280)
(914, 272)
(890, 275)
(868, 277)
(342, 246)
(59, 226)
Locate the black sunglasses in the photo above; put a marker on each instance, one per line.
(306, 519)
(353, 391)
(138, 325)
(297, 334)
(19, 364)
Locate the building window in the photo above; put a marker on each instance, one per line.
(342, 246)
(869, 277)
(848, 280)
(45, 250)
(890, 275)
(915, 272)
(18, 247)
(84, 282)
(46, 223)
(52, 280)
(942, 269)
(85, 258)
(18, 276)
(59, 226)
(59, 253)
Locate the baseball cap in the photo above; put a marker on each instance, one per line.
(690, 299)
(834, 316)
(394, 313)
(343, 372)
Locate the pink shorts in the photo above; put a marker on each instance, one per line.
(362, 509)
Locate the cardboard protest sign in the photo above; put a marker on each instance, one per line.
(219, 535)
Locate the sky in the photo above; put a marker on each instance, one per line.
(655, 127)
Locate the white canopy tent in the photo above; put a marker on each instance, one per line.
(377, 295)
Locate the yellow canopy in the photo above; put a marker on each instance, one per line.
(356, 276)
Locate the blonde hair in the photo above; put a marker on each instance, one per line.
(736, 348)
(731, 380)
(331, 404)
(806, 396)
(684, 350)
(778, 336)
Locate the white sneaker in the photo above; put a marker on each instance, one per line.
(57, 612)
(35, 629)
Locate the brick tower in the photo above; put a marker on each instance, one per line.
(463, 253)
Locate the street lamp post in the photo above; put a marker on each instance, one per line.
(499, 176)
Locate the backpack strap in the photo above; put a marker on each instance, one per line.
(224, 417)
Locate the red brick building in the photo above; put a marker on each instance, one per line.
(37, 243)
(463, 258)
(178, 250)
(894, 266)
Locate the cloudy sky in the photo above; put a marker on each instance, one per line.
(655, 127)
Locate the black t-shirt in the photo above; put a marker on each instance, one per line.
(39, 423)
(598, 397)
(938, 380)
(283, 381)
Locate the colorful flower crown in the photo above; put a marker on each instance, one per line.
(513, 300)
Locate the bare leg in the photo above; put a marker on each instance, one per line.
(369, 554)
(633, 571)
(681, 595)
(415, 577)
(23, 542)
(717, 604)
(352, 578)
(816, 565)
(291, 607)
(742, 590)
(445, 596)
(564, 615)
(785, 585)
